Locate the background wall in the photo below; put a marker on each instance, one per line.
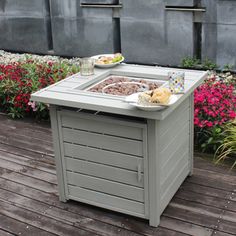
(150, 32)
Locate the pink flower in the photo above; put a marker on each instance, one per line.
(33, 106)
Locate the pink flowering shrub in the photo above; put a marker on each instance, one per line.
(214, 105)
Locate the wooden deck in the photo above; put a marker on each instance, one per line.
(205, 205)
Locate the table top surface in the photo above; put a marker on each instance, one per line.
(69, 92)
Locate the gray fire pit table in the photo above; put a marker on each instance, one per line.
(112, 155)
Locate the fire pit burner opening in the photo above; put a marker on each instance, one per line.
(123, 85)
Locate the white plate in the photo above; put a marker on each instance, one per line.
(106, 65)
(133, 100)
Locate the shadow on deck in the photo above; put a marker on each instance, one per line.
(205, 205)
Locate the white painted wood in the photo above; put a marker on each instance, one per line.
(105, 126)
(178, 153)
(107, 201)
(169, 122)
(154, 173)
(106, 186)
(73, 98)
(117, 144)
(103, 156)
(181, 136)
(173, 129)
(174, 186)
(191, 134)
(145, 169)
(57, 152)
(173, 172)
(105, 172)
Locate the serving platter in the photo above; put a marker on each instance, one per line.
(133, 100)
(106, 65)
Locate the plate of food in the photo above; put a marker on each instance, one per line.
(152, 100)
(108, 60)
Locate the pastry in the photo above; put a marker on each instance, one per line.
(153, 97)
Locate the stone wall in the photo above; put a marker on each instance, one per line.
(219, 31)
(25, 25)
(144, 31)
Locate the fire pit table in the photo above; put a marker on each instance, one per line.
(109, 153)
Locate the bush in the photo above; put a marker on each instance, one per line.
(18, 80)
(194, 63)
(214, 105)
(228, 147)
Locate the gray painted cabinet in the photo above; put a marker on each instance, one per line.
(111, 155)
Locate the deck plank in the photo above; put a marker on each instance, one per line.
(15, 227)
(205, 205)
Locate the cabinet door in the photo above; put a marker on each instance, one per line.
(104, 161)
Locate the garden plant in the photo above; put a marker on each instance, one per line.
(18, 79)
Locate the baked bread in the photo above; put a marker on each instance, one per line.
(153, 97)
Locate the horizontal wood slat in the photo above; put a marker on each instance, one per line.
(166, 123)
(106, 186)
(101, 199)
(100, 126)
(173, 159)
(174, 171)
(103, 171)
(102, 156)
(172, 145)
(117, 144)
(174, 127)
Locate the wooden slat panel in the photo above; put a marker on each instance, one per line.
(106, 201)
(174, 158)
(128, 146)
(103, 171)
(181, 136)
(171, 118)
(105, 186)
(169, 193)
(108, 127)
(174, 127)
(175, 171)
(102, 156)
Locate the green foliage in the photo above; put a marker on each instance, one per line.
(228, 147)
(19, 80)
(228, 67)
(207, 64)
(194, 63)
(208, 139)
(189, 62)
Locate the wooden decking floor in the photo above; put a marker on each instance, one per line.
(205, 205)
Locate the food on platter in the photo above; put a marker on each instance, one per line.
(112, 58)
(159, 96)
